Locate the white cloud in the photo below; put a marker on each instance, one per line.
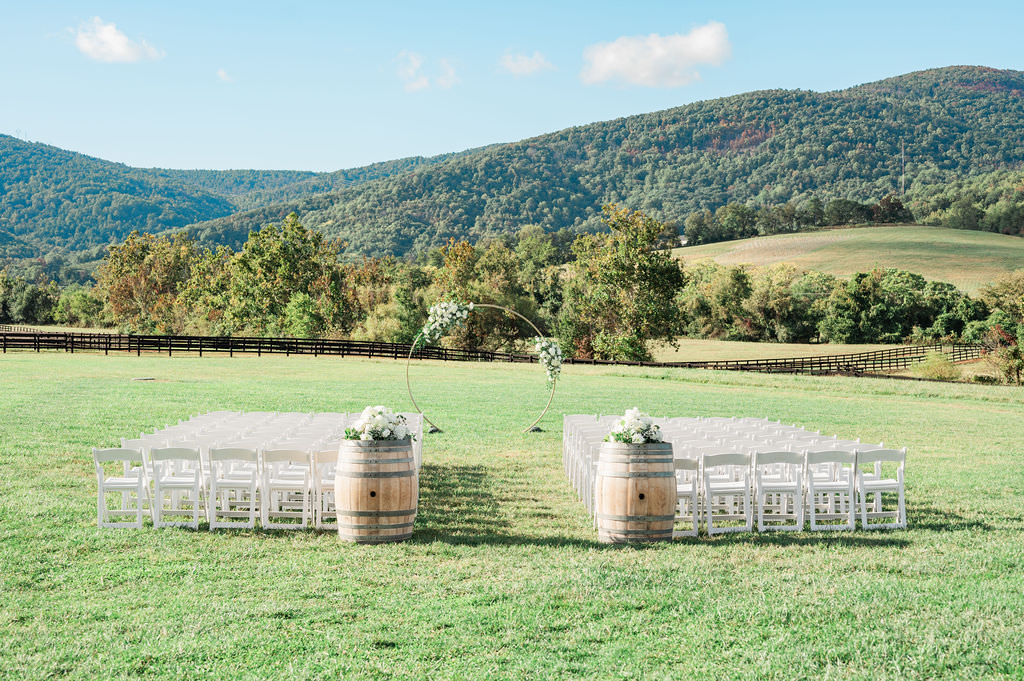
(448, 78)
(104, 42)
(521, 65)
(223, 75)
(410, 65)
(657, 61)
(415, 77)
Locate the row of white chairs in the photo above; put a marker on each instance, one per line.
(223, 466)
(804, 465)
(286, 489)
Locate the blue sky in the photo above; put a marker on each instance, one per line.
(328, 85)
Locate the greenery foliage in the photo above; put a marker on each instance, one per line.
(789, 158)
(757, 149)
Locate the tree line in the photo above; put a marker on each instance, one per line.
(610, 295)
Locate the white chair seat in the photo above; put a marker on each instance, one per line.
(177, 481)
(130, 482)
(728, 487)
(879, 484)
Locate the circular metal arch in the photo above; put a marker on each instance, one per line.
(412, 349)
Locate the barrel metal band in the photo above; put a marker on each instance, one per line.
(378, 474)
(635, 533)
(651, 474)
(395, 526)
(375, 514)
(635, 518)
(635, 459)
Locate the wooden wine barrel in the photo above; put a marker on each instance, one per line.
(635, 492)
(376, 490)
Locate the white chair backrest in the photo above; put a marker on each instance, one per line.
(881, 456)
(773, 458)
(726, 459)
(174, 454)
(686, 464)
(325, 458)
(816, 457)
(117, 454)
(286, 456)
(233, 454)
(878, 457)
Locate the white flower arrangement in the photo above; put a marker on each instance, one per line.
(550, 355)
(379, 423)
(634, 427)
(442, 317)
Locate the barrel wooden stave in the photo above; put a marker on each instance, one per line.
(636, 492)
(376, 491)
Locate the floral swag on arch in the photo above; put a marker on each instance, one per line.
(444, 316)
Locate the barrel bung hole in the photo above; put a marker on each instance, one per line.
(373, 494)
(641, 495)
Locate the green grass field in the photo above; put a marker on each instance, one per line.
(504, 577)
(967, 259)
(702, 349)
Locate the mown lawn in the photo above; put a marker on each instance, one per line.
(504, 577)
(968, 259)
(704, 349)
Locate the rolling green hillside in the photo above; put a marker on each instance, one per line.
(760, 147)
(58, 202)
(52, 198)
(767, 146)
(965, 258)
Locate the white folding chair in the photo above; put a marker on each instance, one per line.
(285, 485)
(176, 471)
(132, 479)
(872, 483)
(779, 474)
(687, 501)
(727, 481)
(829, 477)
(325, 463)
(234, 484)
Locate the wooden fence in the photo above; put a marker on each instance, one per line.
(862, 362)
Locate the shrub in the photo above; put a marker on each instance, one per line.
(937, 366)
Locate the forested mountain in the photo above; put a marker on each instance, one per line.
(761, 147)
(59, 203)
(249, 189)
(51, 198)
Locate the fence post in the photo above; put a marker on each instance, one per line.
(231, 346)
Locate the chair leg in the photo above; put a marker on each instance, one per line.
(138, 505)
(158, 506)
(902, 510)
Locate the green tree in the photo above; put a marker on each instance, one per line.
(621, 293)
(278, 262)
(78, 306)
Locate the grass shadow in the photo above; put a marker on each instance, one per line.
(462, 504)
(941, 520)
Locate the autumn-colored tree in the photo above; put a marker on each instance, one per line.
(140, 281)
